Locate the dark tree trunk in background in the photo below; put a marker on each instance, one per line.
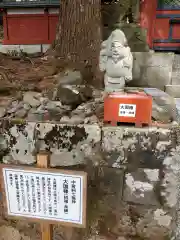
(78, 35)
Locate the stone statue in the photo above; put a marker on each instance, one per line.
(116, 61)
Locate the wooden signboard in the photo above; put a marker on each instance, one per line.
(45, 195)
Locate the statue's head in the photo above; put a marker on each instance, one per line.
(118, 51)
(104, 44)
(119, 36)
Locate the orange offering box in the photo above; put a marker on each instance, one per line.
(128, 108)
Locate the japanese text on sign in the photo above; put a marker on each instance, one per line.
(127, 110)
(44, 195)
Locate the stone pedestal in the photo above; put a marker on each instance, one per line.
(133, 173)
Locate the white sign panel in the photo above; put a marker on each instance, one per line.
(127, 110)
(44, 195)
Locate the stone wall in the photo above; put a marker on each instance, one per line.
(157, 69)
(153, 69)
(133, 174)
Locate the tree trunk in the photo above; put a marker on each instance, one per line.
(78, 36)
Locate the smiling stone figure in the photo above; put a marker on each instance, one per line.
(116, 61)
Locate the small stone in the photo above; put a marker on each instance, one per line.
(5, 101)
(14, 107)
(97, 94)
(2, 111)
(40, 109)
(26, 106)
(86, 92)
(51, 105)
(7, 159)
(86, 109)
(64, 119)
(68, 95)
(3, 143)
(35, 115)
(43, 100)
(21, 113)
(76, 120)
(70, 77)
(55, 114)
(163, 108)
(32, 98)
(91, 120)
(73, 95)
(73, 120)
(162, 218)
(58, 104)
(50, 111)
(66, 107)
(31, 117)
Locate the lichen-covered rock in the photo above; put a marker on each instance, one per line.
(73, 95)
(149, 228)
(162, 218)
(69, 144)
(170, 186)
(4, 104)
(140, 186)
(163, 107)
(136, 147)
(74, 120)
(20, 143)
(69, 77)
(2, 111)
(32, 98)
(169, 182)
(68, 95)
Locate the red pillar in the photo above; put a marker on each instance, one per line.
(147, 18)
(5, 26)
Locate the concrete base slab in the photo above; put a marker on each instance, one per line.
(30, 49)
(45, 47)
(173, 90)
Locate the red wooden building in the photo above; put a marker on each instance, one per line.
(29, 22)
(161, 19)
(34, 22)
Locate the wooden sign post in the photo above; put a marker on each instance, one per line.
(46, 229)
(45, 195)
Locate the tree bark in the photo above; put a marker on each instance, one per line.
(78, 36)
